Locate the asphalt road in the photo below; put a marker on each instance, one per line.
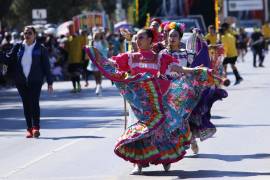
(79, 132)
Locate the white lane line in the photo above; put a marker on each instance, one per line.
(18, 169)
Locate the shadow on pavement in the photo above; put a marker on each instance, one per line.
(72, 137)
(230, 158)
(204, 174)
(64, 111)
(241, 125)
(59, 95)
(63, 118)
(18, 125)
(218, 117)
(64, 114)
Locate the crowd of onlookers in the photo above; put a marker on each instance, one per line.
(69, 61)
(63, 51)
(257, 40)
(236, 42)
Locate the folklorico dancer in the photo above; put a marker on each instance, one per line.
(162, 106)
(199, 120)
(174, 46)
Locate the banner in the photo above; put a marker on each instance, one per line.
(245, 5)
(89, 20)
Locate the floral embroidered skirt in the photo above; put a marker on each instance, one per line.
(162, 107)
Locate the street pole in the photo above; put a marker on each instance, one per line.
(125, 101)
(125, 113)
(137, 11)
(266, 18)
(216, 15)
(225, 9)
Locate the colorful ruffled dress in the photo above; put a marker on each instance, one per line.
(183, 56)
(162, 107)
(200, 119)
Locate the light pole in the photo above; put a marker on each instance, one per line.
(266, 13)
(216, 15)
(119, 11)
(225, 8)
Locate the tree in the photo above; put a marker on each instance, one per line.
(57, 10)
(4, 9)
(18, 13)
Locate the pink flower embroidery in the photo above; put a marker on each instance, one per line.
(185, 86)
(195, 83)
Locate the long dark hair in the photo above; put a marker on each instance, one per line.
(179, 27)
(32, 28)
(149, 32)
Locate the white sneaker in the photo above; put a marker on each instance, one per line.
(137, 170)
(98, 90)
(166, 167)
(195, 147)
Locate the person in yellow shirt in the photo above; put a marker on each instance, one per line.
(229, 43)
(211, 36)
(266, 34)
(74, 47)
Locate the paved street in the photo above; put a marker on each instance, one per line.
(79, 132)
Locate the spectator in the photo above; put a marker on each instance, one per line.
(101, 44)
(266, 34)
(30, 64)
(229, 43)
(74, 47)
(242, 40)
(211, 36)
(257, 45)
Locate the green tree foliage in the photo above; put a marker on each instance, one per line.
(4, 9)
(18, 13)
(57, 10)
(148, 6)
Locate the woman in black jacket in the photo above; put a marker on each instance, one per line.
(30, 64)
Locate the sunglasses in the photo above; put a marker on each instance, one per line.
(28, 33)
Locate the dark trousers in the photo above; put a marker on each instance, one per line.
(30, 97)
(258, 52)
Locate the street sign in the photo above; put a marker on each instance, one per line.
(39, 13)
(39, 22)
(245, 5)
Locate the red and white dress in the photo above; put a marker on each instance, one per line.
(144, 61)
